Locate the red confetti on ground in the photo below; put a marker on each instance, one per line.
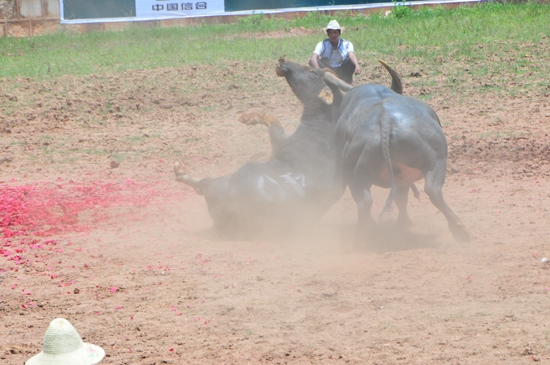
(29, 213)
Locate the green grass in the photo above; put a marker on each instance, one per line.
(469, 34)
(503, 135)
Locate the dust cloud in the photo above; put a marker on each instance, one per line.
(165, 288)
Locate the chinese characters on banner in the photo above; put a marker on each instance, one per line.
(158, 9)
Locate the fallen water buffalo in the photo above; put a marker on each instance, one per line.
(386, 139)
(298, 183)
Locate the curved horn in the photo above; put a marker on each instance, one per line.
(396, 84)
(333, 80)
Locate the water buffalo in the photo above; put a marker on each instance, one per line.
(298, 183)
(386, 139)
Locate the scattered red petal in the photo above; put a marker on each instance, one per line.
(34, 211)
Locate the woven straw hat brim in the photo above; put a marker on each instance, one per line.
(86, 355)
(341, 30)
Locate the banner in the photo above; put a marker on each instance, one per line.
(103, 11)
(100, 11)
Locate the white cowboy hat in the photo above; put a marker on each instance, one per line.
(333, 24)
(63, 346)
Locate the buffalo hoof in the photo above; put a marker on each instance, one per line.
(404, 222)
(251, 119)
(254, 119)
(181, 174)
(184, 177)
(460, 234)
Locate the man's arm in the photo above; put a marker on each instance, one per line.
(353, 59)
(313, 60)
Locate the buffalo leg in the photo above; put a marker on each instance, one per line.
(184, 177)
(361, 165)
(363, 198)
(276, 131)
(401, 199)
(434, 189)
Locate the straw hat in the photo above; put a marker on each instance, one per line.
(333, 24)
(63, 346)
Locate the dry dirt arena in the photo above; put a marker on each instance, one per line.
(96, 230)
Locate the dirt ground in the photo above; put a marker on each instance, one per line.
(103, 236)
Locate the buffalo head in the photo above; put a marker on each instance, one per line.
(312, 85)
(307, 83)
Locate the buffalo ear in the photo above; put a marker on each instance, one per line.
(326, 96)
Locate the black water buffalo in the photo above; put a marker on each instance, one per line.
(298, 183)
(386, 139)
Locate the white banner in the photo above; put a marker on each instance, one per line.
(169, 9)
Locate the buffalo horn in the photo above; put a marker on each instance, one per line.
(396, 84)
(330, 78)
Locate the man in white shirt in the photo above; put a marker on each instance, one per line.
(336, 54)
